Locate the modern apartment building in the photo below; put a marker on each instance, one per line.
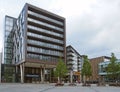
(74, 62)
(95, 67)
(102, 69)
(33, 43)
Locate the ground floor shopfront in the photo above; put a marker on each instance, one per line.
(28, 73)
(38, 75)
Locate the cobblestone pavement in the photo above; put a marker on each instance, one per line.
(6, 87)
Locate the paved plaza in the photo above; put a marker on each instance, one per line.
(51, 88)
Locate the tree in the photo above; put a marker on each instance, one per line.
(86, 69)
(61, 70)
(113, 68)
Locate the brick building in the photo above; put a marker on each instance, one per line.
(95, 64)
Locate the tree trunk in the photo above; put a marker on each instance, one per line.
(58, 79)
(84, 78)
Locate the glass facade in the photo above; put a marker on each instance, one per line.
(19, 38)
(8, 39)
(103, 66)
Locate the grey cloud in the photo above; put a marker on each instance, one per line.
(97, 32)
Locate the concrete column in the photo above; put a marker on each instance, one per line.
(41, 75)
(50, 74)
(16, 73)
(22, 72)
(71, 76)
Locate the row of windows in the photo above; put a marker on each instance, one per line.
(7, 38)
(8, 50)
(8, 28)
(44, 51)
(45, 44)
(45, 24)
(8, 46)
(8, 56)
(45, 17)
(45, 31)
(8, 33)
(9, 21)
(44, 37)
(42, 57)
(7, 61)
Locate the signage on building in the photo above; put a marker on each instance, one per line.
(76, 73)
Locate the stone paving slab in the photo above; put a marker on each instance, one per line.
(11, 87)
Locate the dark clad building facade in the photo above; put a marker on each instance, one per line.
(38, 40)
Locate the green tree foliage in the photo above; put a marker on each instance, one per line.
(61, 70)
(86, 69)
(113, 68)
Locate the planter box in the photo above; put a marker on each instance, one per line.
(87, 85)
(59, 84)
(72, 84)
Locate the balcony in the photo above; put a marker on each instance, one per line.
(70, 63)
(45, 18)
(70, 54)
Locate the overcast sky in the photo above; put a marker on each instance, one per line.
(92, 26)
